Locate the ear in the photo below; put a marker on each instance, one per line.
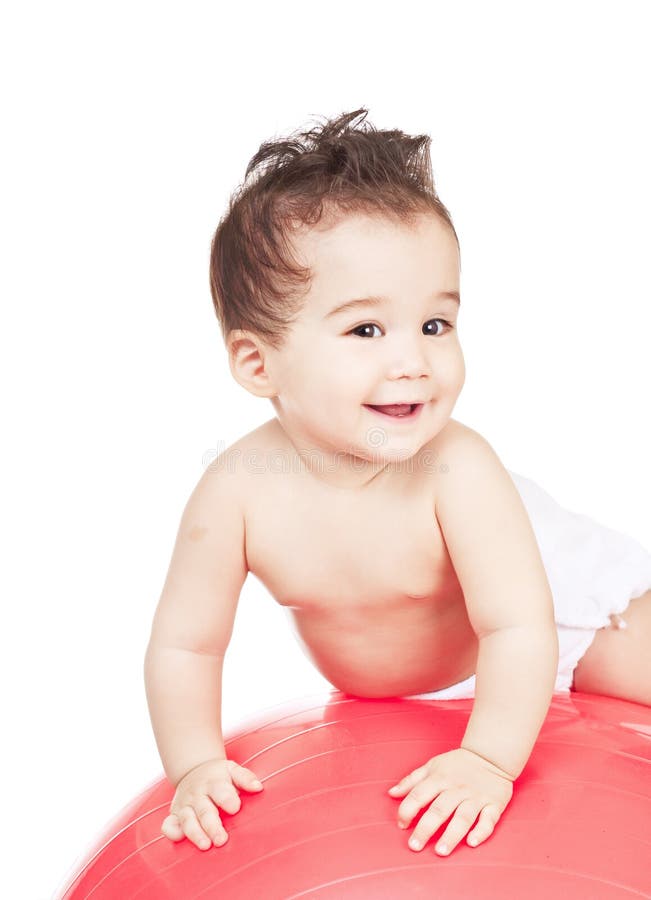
(249, 359)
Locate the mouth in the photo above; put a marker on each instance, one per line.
(397, 410)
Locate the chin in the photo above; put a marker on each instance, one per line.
(400, 454)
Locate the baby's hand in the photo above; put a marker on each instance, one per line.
(194, 813)
(459, 780)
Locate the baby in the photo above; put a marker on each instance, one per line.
(413, 563)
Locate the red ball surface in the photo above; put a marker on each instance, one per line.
(578, 826)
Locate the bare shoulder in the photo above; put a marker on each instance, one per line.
(466, 461)
(456, 438)
(235, 457)
(451, 449)
(230, 472)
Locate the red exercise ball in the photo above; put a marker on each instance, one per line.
(578, 825)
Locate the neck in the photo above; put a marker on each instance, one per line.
(341, 470)
(333, 468)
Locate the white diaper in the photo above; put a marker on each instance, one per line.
(593, 571)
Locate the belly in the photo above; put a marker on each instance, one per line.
(414, 649)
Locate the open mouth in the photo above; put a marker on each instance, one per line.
(397, 410)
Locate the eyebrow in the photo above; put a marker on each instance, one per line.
(381, 301)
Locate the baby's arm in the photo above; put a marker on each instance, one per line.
(509, 602)
(497, 560)
(190, 633)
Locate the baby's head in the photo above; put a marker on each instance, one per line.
(327, 216)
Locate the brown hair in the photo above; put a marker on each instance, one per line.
(340, 168)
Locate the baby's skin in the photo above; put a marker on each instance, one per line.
(400, 547)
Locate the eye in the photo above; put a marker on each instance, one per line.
(438, 333)
(447, 324)
(360, 327)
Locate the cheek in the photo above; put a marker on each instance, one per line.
(339, 374)
(461, 373)
(455, 372)
(323, 386)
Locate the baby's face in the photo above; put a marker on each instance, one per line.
(404, 349)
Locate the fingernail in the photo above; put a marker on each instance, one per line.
(414, 843)
(442, 848)
(402, 825)
(256, 784)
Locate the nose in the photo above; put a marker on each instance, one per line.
(409, 358)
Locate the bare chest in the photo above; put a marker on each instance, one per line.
(372, 594)
(349, 557)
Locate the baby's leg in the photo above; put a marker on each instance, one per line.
(617, 662)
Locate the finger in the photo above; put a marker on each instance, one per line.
(409, 781)
(171, 828)
(245, 778)
(433, 818)
(208, 817)
(192, 829)
(488, 819)
(225, 796)
(463, 819)
(419, 796)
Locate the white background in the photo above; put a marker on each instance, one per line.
(126, 127)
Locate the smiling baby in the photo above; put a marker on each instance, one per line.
(413, 563)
